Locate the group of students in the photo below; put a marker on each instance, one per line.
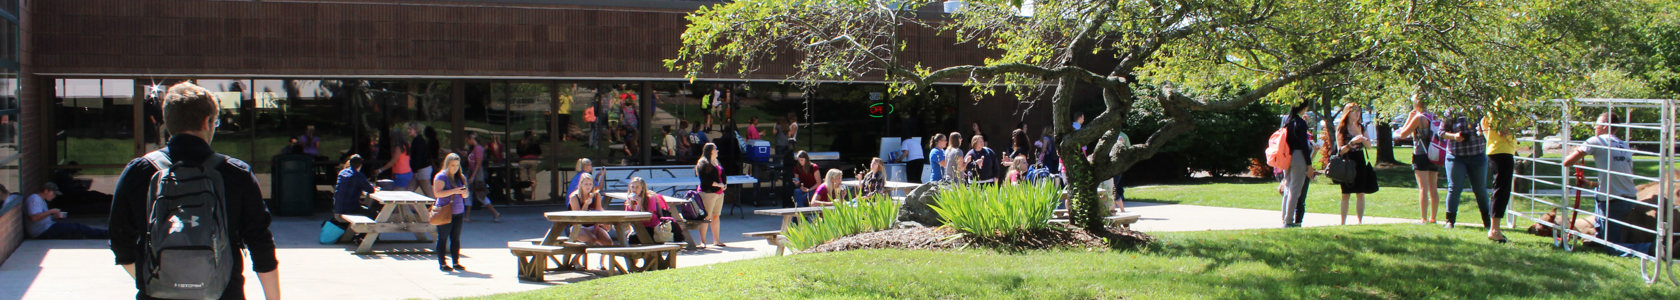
(1467, 148)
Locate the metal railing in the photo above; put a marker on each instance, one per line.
(1552, 192)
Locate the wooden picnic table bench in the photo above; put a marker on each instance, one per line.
(533, 259)
(404, 211)
(776, 237)
(639, 258)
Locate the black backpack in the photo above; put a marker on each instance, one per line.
(190, 254)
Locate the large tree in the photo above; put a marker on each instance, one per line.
(1183, 55)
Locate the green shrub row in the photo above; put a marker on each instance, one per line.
(998, 210)
(867, 215)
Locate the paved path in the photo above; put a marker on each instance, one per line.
(84, 269)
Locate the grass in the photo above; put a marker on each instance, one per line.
(1398, 261)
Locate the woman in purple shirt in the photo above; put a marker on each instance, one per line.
(450, 188)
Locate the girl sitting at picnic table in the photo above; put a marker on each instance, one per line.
(643, 201)
(586, 198)
(875, 181)
(830, 190)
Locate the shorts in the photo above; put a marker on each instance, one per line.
(402, 180)
(1421, 163)
(714, 203)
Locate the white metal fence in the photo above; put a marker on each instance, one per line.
(1549, 186)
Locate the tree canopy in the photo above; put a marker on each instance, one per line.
(1182, 55)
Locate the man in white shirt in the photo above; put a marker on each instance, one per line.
(42, 226)
(1608, 153)
(911, 150)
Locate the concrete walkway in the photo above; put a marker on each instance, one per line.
(308, 270)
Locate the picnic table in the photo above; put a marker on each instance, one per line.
(404, 211)
(621, 221)
(775, 237)
(734, 180)
(897, 188)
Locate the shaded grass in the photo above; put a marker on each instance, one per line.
(1397, 261)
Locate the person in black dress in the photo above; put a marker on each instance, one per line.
(1351, 135)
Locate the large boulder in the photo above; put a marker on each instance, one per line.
(917, 207)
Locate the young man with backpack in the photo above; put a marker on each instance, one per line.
(180, 215)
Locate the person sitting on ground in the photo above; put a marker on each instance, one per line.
(1017, 170)
(830, 191)
(352, 184)
(587, 199)
(874, 182)
(42, 226)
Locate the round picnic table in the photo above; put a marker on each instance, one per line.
(621, 221)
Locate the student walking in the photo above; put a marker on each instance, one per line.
(450, 186)
(189, 112)
(1295, 178)
(1353, 141)
(1427, 172)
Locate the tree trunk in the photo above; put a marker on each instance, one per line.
(1385, 144)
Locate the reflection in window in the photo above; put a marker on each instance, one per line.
(96, 122)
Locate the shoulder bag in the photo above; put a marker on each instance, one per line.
(441, 214)
(1341, 169)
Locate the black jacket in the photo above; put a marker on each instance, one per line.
(248, 217)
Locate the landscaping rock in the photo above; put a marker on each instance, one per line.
(917, 207)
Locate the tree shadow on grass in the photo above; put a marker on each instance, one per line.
(1405, 264)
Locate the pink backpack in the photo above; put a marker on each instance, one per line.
(1436, 149)
(1277, 150)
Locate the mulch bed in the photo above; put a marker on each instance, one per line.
(941, 238)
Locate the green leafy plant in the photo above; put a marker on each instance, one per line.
(865, 215)
(998, 210)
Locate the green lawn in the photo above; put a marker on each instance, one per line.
(1398, 261)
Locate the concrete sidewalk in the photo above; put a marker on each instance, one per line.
(84, 269)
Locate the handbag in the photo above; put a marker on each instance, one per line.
(662, 233)
(1341, 169)
(441, 213)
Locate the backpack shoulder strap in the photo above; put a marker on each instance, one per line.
(159, 160)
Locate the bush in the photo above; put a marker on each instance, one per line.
(998, 210)
(1235, 137)
(871, 214)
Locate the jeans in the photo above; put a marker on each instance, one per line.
(801, 198)
(73, 231)
(449, 240)
(1609, 231)
(1471, 170)
(1119, 189)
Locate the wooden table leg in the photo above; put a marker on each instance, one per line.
(419, 214)
(786, 219)
(367, 240)
(623, 237)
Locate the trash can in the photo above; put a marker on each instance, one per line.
(293, 184)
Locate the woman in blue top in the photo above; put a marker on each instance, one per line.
(450, 188)
(936, 157)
